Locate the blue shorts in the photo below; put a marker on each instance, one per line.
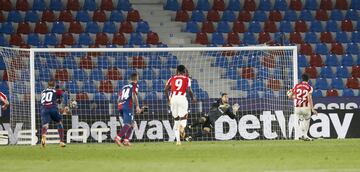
(50, 114)
(127, 116)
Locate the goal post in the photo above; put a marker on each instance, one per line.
(256, 77)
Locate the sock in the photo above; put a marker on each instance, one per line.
(128, 133)
(177, 131)
(44, 130)
(60, 128)
(302, 127)
(123, 130)
(183, 123)
(306, 127)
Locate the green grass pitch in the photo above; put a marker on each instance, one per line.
(224, 156)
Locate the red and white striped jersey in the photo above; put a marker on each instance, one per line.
(2, 97)
(302, 92)
(179, 84)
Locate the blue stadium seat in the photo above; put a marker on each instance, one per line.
(135, 39)
(311, 37)
(311, 5)
(56, 5)
(217, 38)
(355, 5)
(3, 66)
(52, 62)
(72, 86)
(260, 16)
(3, 41)
(352, 48)
(317, 93)
(79, 75)
(84, 39)
(33, 39)
(154, 61)
(164, 74)
(326, 72)
(7, 28)
(285, 26)
(290, 15)
(347, 60)
(203, 5)
(120, 84)
(336, 15)
(280, 5)
(103, 62)
(38, 87)
(342, 72)
(89, 5)
(237, 61)
(157, 85)
(321, 48)
(99, 97)
(128, 72)
(341, 37)
(109, 27)
(249, 38)
(331, 26)
(269, 94)
(234, 5)
(69, 62)
(96, 74)
(302, 62)
(44, 75)
(337, 83)
(203, 95)
(83, 16)
(223, 27)
(32, 16)
(352, 14)
(197, 16)
(253, 61)
(124, 5)
(192, 26)
(92, 27)
(58, 27)
(253, 94)
(242, 84)
(258, 85)
(14, 16)
(221, 61)
(50, 39)
(171, 62)
(306, 15)
(331, 60)
(231, 73)
(195, 84)
(263, 73)
(150, 96)
(316, 26)
(143, 27)
(143, 86)
(255, 27)
(116, 16)
(148, 74)
(348, 93)
(321, 83)
(265, 5)
(39, 5)
(172, 5)
(355, 36)
(88, 86)
(121, 62)
(229, 16)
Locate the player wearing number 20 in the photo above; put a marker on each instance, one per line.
(178, 85)
(128, 97)
(50, 98)
(302, 95)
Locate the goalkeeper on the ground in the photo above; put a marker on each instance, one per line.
(218, 108)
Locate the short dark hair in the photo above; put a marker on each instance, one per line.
(181, 69)
(223, 94)
(133, 76)
(305, 77)
(51, 83)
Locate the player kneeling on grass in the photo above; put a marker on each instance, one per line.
(127, 97)
(218, 108)
(50, 98)
(302, 95)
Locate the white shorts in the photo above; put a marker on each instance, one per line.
(303, 112)
(179, 106)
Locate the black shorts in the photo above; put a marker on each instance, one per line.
(207, 122)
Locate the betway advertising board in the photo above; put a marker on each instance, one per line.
(337, 118)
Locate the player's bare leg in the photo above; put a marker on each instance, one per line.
(43, 135)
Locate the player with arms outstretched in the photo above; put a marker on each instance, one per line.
(303, 102)
(4, 101)
(175, 89)
(127, 97)
(50, 98)
(218, 108)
